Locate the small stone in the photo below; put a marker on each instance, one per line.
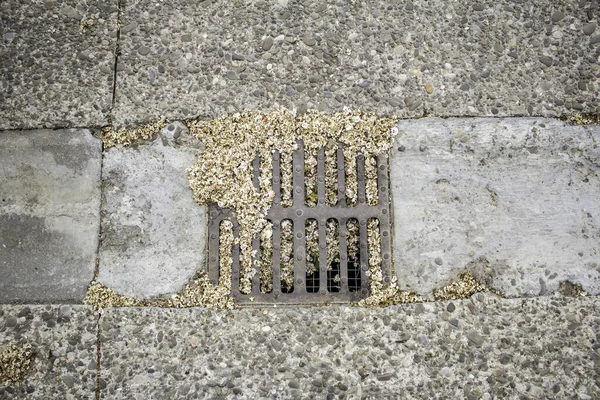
(595, 39)
(267, 44)
(505, 358)
(232, 75)
(186, 38)
(475, 338)
(450, 307)
(313, 78)
(465, 87)
(588, 29)
(409, 6)
(438, 261)
(478, 7)
(10, 322)
(547, 61)
(194, 342)
(294, 384)
(309, 40)
(557, 16)
(129, 27)
(384, 377)
(266, 328)
(68, 380)
(143, 50)
(428, 87)
(237, 57)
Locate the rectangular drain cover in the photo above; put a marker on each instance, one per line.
(351, 284)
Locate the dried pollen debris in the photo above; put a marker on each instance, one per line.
(15, 362)
(223, 175)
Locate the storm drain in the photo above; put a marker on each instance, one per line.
(343, 279)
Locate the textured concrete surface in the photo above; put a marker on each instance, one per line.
(479, 58)
(56, 63)
(513, 200)
(153, 233)
(64, 339)
(49, 214)
(481, 348)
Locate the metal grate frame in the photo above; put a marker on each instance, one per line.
(299, 213)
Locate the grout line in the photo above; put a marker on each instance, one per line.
(117, 52)
(97, 263)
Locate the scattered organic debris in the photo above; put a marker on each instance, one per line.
(15, 362)
(583, 119)
(129, 136)
(570, 289)
(463, 288)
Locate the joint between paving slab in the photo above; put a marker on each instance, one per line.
(98, 356)
(117, 52)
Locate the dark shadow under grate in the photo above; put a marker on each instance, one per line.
(344, 279)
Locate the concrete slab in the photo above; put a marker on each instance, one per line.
(56, 63)
(406, 58)
(153, 233)
(485, 347)
(49, 214)
(64, 340)
(513, 200)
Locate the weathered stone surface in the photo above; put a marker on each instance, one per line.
(153, 233)
(212, 57)
(541, 348)
(64, 339)
(49, 214)
(513, 200)
(56, 63)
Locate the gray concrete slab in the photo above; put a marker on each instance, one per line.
(56, 63)
(49, 214)
(404, 58)
(153, 233)
(64, 340)
(481, 348)
(515, 201)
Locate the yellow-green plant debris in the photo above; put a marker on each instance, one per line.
(463, 288)
(128, 136)
(570, 289)
(223, 172)
(15, 362)
(380, 293)
(584, 119)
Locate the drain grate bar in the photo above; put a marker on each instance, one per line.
(351, 282)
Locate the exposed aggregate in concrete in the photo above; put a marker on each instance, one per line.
(56, 63)
(480, 348)
(63, 341)
(407, 58)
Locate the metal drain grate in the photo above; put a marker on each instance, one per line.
(342, 281)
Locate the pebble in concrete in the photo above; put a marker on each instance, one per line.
(485, 348)
(515, 201)
(56, 63)
(49, 214)
(153, 233)
(493, 58)
(64, 340)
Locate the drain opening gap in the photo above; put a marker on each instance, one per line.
(360, 177)
(254, 284)
(374, 245)
(266, 258)
(333, 256)
(323, 256)
(276, 178)
(287, 256)
(341, 178)
(364, 258)
(312, 256)
(350, 161)
(371, 179)
(310, 177)
(225, 259)
(331, 174)
(276, 263)
(354, 278)
(214, 230)
(235, 269)
(343, 255)
(286, 173)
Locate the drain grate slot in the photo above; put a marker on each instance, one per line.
(305, 266)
